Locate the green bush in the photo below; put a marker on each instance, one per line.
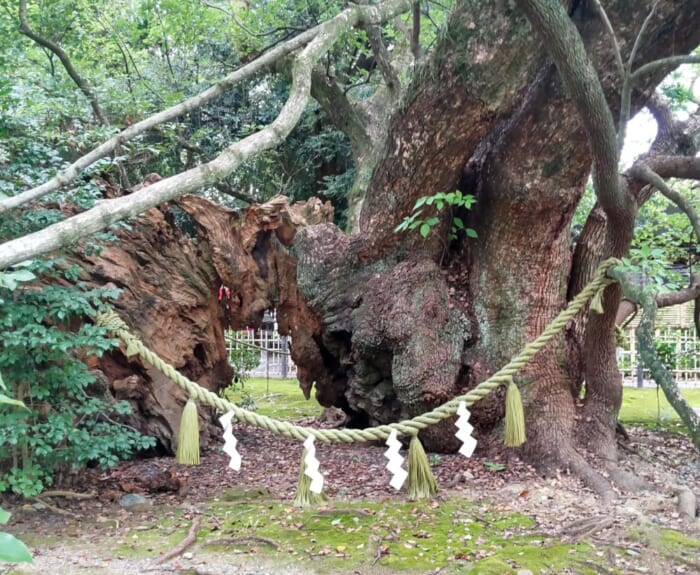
(242, 355)
(11, 549)
(70, 419)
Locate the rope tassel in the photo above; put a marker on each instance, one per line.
(515, 417)
(421, 481)
(305, 497)
(597, 301)
(188, 438)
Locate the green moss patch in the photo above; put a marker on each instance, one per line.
(452, 535)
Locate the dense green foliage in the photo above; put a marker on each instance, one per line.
(138, 57)
(11, 548)
(71, 419)
(664, 251)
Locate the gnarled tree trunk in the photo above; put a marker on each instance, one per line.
(387, 325)
(408, 323)
(170, 282)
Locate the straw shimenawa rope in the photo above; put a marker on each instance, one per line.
(410, 427)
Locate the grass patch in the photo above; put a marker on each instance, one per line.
(280, 398)
(649, 408)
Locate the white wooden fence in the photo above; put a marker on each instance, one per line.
(271, 348)
(676, 342)
(675, 338)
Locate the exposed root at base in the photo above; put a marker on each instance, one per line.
(53, 508)
(587, 527)
(243, 539)
(599, 484)
(626, 480)
(687, 502)
(184, 544)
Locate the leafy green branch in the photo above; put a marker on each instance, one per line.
(440, 200)
(12, 550)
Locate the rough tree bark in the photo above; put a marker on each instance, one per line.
(169, 283)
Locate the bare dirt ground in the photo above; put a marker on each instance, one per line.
(68, 535)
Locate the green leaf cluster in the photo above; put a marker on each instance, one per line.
(664, 243)
(440, 200)
(12, 550)
(71, 419)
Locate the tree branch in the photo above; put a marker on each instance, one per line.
(26, 29)
(645, 339)
(682, 167)
(667, 299)
(665, 63)
(340, 110)
(626, 92)
(415, 32)
(659, 108)
(552, 23)
(244, 73)
(681, 296)
(611, 33)
(644, 172)
(381, 55)
(225, 188)
(110, 211)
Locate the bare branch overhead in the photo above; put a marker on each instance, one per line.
(107, 212)
(244, 73)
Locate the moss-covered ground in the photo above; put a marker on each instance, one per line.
(451, 534)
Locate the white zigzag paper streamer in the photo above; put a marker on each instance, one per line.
(311, 466)
(464, 430)
(395, 461)
(230, 441)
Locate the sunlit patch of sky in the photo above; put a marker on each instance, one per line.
(641, 130)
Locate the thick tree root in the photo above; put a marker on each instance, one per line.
(599, 484)
(53, 508)
(626, 480)
(687, 502)
(245, 540)
(68, 494)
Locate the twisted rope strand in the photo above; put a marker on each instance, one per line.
(114, 323)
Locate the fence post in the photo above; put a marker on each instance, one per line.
(284, 364)
(640, 371)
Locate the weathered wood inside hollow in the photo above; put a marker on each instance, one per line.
(170, 282)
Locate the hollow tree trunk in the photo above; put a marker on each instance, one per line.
(170, 282)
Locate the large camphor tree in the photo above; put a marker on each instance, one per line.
(517, 103)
